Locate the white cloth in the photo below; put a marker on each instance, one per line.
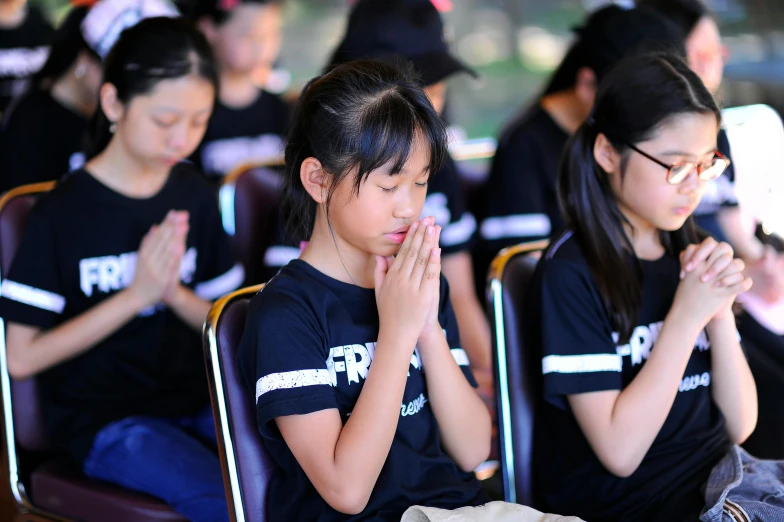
(108, 18)
(490, 512)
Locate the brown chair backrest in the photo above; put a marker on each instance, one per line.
(516, 368)
(247, 468)
(249, 200)
(21, 401)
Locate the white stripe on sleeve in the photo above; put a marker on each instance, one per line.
(277, 256)
(289, 380)
(520, 225)
(460, 357)
(28, 295)
(600, 362)
(221, 285)
(460, 231)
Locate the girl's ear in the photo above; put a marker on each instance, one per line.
(110, 103)
(314, 179)
(605, 155)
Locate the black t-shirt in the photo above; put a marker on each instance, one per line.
(307, 346)
(242, 135)
(41, 140)
(520, 192)
(79, 249)
(519, 201)
(568, 324)
(445, 202)
(718, 195)
(23, 51)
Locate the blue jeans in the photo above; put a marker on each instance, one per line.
(164, 458)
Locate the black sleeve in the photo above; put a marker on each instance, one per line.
(724, 186)
(33, 292)
(219, 273)
(24, 141)
(283, 357)
(517, 195)
(579, 354)
(448, 321)
(445, 202)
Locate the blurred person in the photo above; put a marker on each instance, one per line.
(43, 131)
(24, 45)
(116, 271)
(519, 200)
(249, 123)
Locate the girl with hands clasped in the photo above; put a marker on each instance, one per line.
(646, 391)
(363, 393)
(111, 284)
(351, 352)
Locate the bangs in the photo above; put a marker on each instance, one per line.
(388, 129)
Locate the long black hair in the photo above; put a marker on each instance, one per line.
(153, 50)
(610, 34)
(633, 102)
(360, 116)
(683, 13)
(66, 45)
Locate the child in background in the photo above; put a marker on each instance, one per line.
(43, 135)
(116, 272)
(25, 36)
(249, 123)
(519, 200)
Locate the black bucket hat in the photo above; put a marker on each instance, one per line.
(411, 29)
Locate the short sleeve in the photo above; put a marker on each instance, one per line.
(448, 321)
(283, 360)
(22, 138)
(516, 196)
(445, 202)
(283, 248)
(33, 292)
(220, 273)
(579, 354)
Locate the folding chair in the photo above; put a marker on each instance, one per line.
(515, 368)
(247, 468)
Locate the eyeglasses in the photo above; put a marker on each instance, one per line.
(677, 173)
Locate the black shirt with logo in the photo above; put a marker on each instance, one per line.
(570, 328)
(80, 248)
(308, 344)
(41, 140)
(251, 134)
(23, 51)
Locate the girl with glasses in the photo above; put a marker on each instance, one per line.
(646, 389)
(719, 213)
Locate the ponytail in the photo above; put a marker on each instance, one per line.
(582, 183)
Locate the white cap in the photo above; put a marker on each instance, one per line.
(108, 18)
